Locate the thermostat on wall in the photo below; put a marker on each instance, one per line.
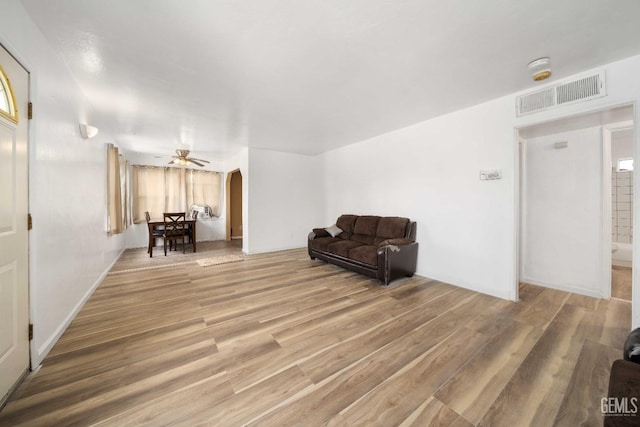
(490, 174)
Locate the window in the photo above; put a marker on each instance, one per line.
(165, 189)
(7, 101)
(625, 164)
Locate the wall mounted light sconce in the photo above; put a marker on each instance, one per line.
(87, 131)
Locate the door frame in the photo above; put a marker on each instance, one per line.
(607, 131)
(520, 211)
(518, 185)
(31, 76)
(228, 202)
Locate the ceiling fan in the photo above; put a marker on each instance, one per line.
(183, 159)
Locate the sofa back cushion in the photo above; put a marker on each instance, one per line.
(346, 223)
(390, 227)
(364, 230)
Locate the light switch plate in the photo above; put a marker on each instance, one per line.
(490, 174)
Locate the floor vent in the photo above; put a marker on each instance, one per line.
(583, 89)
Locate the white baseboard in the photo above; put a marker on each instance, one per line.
(269, 250)
(38, 356)
(456, 281)
(562, 287)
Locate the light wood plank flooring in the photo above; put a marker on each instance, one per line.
(621, 282)
(278, 339)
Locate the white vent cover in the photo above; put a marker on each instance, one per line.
(583, 89)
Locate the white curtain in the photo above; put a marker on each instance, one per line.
(164, 189)
(114, 191)
(204, 189)
(124, 193)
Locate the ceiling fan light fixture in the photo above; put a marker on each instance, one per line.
(182, 159)
(540, 68)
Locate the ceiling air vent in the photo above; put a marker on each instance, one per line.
(583, 89)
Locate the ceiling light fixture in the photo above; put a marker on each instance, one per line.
(540, 68)
(87, 131)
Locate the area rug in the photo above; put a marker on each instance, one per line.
(207, 262)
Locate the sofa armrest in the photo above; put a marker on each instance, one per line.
(632, 346)
(397, 260)
(395, 242)
(318, 232)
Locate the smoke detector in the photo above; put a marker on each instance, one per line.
(540, 68)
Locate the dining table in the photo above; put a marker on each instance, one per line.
(158, 224)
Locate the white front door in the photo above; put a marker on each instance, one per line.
(14, 256)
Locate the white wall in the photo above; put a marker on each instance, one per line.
(286, 196)
(429, 173)
(136, 236)
(69, 247)
(563, 226)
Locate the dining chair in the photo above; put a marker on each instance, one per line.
(174, 229)
(194, 216)
(154, 234)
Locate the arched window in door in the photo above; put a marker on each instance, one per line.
(7, 100)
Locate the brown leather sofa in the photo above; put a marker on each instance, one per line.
(380, 247)
(622, 405)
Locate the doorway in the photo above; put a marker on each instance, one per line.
(234, 205)
(619, 137)
(14, 239)
(565, 190)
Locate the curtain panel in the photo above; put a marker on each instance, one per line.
(203, 188)
(115, 220)
(164, 189)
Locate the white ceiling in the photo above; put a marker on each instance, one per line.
(308, 76)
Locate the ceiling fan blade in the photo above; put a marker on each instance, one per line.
(195, 162)
(200, 160)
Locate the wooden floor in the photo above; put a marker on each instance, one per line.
(278, 339)
(621, 282)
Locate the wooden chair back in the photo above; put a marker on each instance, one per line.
(174, 224)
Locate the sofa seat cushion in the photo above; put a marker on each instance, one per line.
(321, 243)
(367, 254)
(342, 247)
